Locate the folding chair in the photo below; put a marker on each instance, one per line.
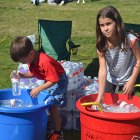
(134, 28)
(53, 38)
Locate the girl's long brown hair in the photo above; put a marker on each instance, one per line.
(112, 13)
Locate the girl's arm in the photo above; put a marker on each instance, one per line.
(128, 88)
(102, 76)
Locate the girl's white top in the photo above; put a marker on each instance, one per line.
(120, 63)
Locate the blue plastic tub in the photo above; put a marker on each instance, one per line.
(26, 123)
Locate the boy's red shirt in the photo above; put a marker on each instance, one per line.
(46, 68)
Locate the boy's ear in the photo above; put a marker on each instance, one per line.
(32, 52)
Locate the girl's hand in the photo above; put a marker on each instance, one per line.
(99, 99)
(34, 92)
(128, 88)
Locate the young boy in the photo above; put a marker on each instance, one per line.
(45, 68)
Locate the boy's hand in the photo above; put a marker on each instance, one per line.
(34, 92)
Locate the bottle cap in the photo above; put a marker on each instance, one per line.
(14, 80)
(13, 102)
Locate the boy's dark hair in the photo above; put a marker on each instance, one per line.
(20, 48)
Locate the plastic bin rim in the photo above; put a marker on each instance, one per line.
(24, 109)
(108, 115)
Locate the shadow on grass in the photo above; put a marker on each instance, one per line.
(92, 68)
(72, 135)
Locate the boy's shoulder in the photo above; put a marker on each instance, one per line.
(45, 57)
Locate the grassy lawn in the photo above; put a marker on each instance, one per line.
(20, 17)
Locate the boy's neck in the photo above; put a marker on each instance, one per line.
(36, 53)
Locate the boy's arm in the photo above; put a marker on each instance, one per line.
(38, 89)
(26, 75)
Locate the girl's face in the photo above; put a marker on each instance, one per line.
(108, 27)
(28, 59)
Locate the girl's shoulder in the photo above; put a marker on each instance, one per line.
(131, 39)
(131, 36)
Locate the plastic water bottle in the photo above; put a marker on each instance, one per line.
(23, 68)
(32, 37)
(11, 103)
(133, 108)
(16, 90)
(18, 103)
(7, 103)
(127, 108)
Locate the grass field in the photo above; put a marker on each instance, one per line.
(20, 17)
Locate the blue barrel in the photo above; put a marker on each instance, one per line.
(25, 123)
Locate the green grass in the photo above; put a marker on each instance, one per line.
(20, 17)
